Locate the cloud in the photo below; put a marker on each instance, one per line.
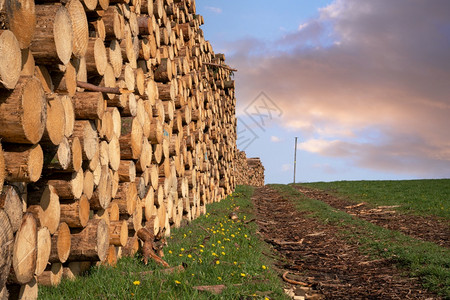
(213, 9)
(366, 80)
(275, 139)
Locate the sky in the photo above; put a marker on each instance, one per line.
(363, 84)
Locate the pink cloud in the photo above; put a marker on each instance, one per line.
(362, 66)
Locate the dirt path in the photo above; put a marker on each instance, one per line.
(314, 254)
(431, 229)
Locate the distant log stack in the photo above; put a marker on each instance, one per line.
(114, 116)
(248, 171)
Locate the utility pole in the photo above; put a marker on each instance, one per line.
(295, 157)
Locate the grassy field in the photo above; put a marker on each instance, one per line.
(214, 251)
(422, 197)
(426, 260)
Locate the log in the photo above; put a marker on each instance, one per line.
(91, 244)
(23, 112)
(12, 204)
(113, 19)
(23, 163)
(53, 39)
(21, 19)
(2, 168)
(10, 59)
(24, 251)
(102, 194)
(126, 198)
(68, 186)
(61, 244)
(76, 214)
(96, 59)
(80, 27)
(6, 249)
(48, 201)
(54, 126)
(44, 246)
(52, 276)
(88, 184)
(164, 71)
(131, 139)
(118, 233)
(114, 153)
(127, 171)
(86, 131)
(76, 268)
(88, 105)
(69, 116)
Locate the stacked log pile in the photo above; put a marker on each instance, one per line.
(248, 171)
(114, 116)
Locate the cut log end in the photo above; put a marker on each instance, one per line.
(11, 60)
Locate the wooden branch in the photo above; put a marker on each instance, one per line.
(220, 66)
(293, 281)
(109, 90)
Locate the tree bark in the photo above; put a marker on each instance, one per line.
(23, 163)
(91, 244)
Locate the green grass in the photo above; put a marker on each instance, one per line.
(213, 249)
(426, 260)
(420, 197)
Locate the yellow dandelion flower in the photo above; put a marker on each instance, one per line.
(190, 256)
(232, 235)
(220, 278)
(235, 262)
(264, 267)
(219, 242)
(202, 246)
(217, 262)
(170, 251)
(137, 282)
(182, 249)
(201, 250)
(180, 254)
(177, 282)
(245, 235)
(223, 253)
(243, 274)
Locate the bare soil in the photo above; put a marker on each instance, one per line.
(431, 229)
(313, 253)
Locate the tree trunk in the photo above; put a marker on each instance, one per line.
(52, 42)
(24, 252)
(79, 27)
(51, 277)
(21, 19)
(12, 204)
(44, 246)
(118, 233)
(91, 244)
(75, 214)
(47, 199)
(10, 59)
(23, 163)
(61, 244)
(23, 112)
(6, 250)
(88, 105)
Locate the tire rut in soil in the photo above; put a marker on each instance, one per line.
(430, 229)
(313, 253)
